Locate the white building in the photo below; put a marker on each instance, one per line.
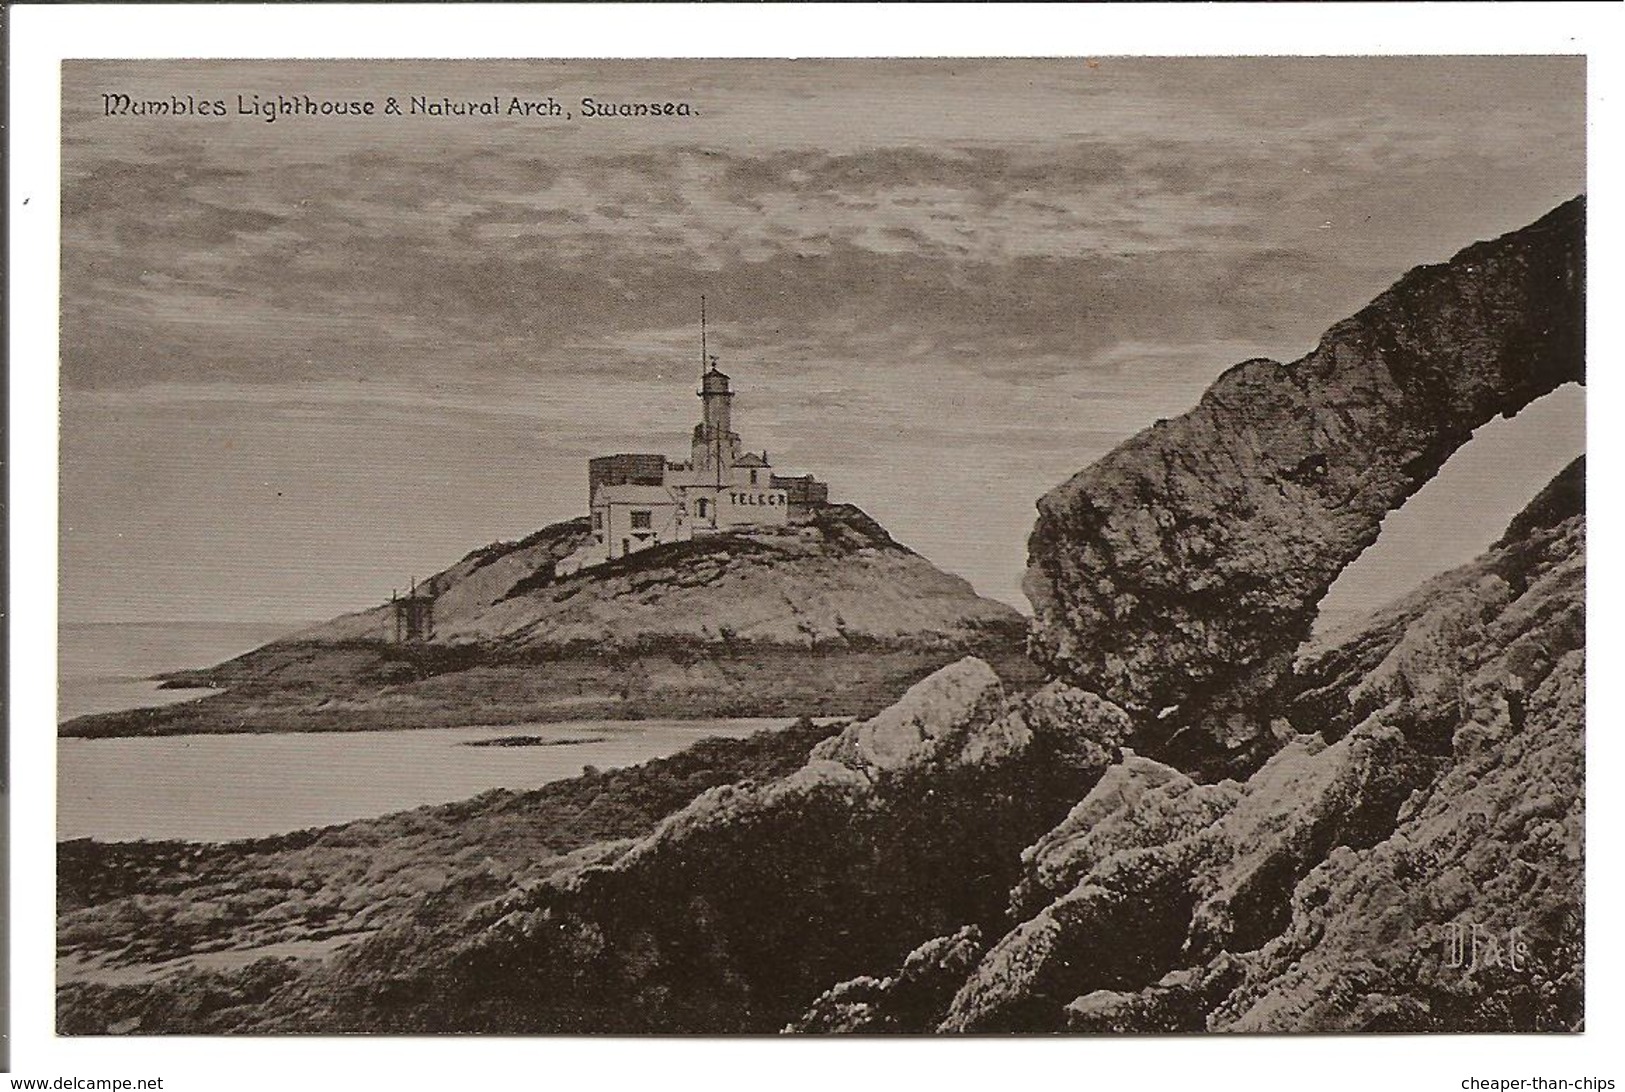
(627, 518)
(641, 500)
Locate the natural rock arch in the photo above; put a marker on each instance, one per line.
(1177, 575)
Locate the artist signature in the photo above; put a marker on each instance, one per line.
(1472, 945)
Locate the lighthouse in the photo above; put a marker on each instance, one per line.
(639, 501)
(716, 444)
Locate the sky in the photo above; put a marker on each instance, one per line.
(304, 360)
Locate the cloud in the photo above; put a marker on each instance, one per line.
(1012, 263)
(1133, 206)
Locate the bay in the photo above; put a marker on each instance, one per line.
(230, 786)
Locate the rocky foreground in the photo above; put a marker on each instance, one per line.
(1197, 822)
(1321, 893)
(827, 617)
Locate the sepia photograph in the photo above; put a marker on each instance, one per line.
(587, 551)
(869, 546)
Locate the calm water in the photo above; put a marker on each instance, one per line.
(105, 667)
(220, 787)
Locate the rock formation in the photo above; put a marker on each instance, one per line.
(1177, 575)
(1417, 782)
(830, 616)
(833, 581)
(975, 861)
(1322, 893)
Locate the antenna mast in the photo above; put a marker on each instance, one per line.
(705, 364)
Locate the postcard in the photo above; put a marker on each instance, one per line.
(935, 546)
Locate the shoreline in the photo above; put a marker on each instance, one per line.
(330, 695)
(359, 875)
(194, 789)
(610, 725)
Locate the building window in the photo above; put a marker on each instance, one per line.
(641, 520)
(705, 508)
(753, 477)
(598, 521)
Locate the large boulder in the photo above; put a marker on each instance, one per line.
(1168, 871)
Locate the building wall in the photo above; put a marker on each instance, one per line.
(624, 470)
(752, 477)
(711, 509)
(805, 492)
(699, 507)
(683, 475)
(736, 502)
(623, 535)
(414, 619)
(716, 409)
(742, 504)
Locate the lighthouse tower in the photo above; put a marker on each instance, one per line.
(716, 444)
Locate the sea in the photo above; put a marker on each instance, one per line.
(223, 787)
(105, 667)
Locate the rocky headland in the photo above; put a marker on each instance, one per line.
(1199, 821)
(829, 616)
